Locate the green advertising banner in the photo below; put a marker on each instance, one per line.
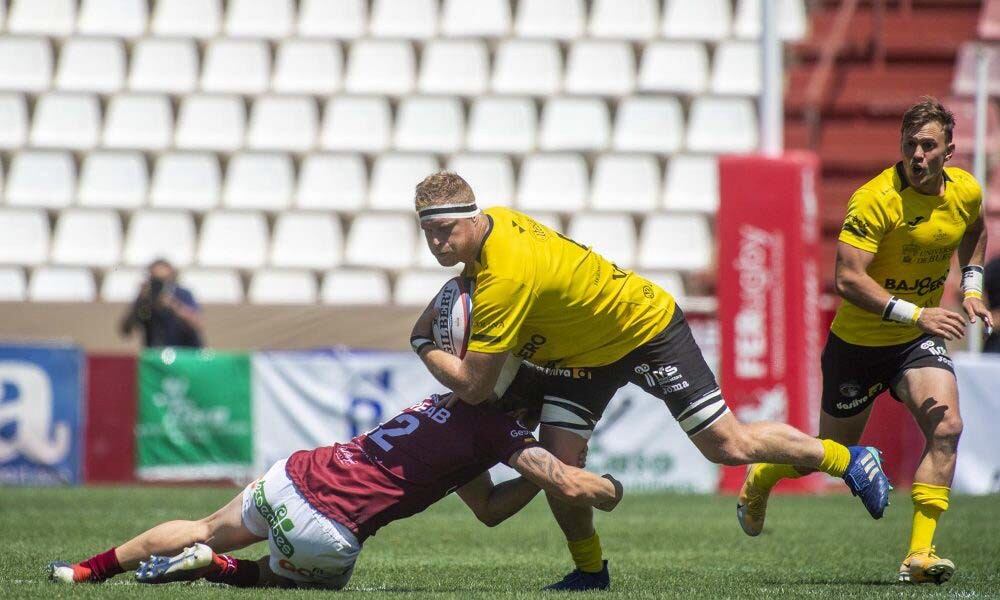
(194, 418)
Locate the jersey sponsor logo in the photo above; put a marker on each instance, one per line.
(665, 377)
(850, 389)
(516, 433)
(532, 346)
(313, 573)
(854, 387)
(854, 224)
(913, 223)
(647, 291)
(276, 520)
(566, 372)
(921, 286)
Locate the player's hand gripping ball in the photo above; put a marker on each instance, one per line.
(453, 316)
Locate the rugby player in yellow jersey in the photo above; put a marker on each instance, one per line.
(894, 252)
(589, 328)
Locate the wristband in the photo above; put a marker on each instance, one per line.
(901, 311)
(418, 343)
(619, 490)
(972, 281)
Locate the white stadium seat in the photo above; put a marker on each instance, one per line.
(332, 182)
(362, 124)
(47, 17)
(260, 18)
(156, 234)
(210, 123)
(25, 64)
(575, 124)
(184, 18)
(553, 182)
(122, 284)
(491, 177)
(412, 19)
(675, 68)
(13, 121)
(164, 65)
(212, 286)
(186, 180)
(233, 239)
(236, 67)
(502, 124)
(140, 121)
(600, 67)
(394, 177)
(691, 184)
(720, 125)
(62, 284)
(90, 238)
(384, 241)
(678, 242)
(737, 69)
(120, 18)
(307, 67)
(360, 287)
(270, 286)
(625, 182)
(340, 19)
(416, 288)
(113, 180)
(259, 181)
(531, 67)
(475, 18)
(649, 124)
(431, 124)
(91, 65)
(671, 281)
(454, 67)
(43, 179)
(610, 235)
(25, 236)
(380, 67)
(624, 19)
(286, 123)
(307, 241)
(709, 20)
(65, 120)
(792, 21)
(558, 19)
(13, 286)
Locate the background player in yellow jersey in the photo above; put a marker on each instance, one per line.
(589, 328)
(895, 249)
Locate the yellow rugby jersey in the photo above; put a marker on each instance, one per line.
(555, 302)
(913, 237)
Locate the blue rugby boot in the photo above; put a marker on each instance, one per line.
(580, 581)
(193, 563)
(867, 480)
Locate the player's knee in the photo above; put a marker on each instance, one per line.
(947, 433)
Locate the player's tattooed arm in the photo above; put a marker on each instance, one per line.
(569, 484)
(494, 504)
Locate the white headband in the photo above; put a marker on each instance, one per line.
(448, 211)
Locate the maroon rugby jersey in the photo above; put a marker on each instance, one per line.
(406, 464)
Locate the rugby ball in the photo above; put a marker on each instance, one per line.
(453, 321)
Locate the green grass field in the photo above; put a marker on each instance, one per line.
(659, 545)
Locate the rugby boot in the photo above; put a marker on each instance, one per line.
(925, 566)
(581, 581)
(866, 479)
(61, 571)
(193, 563)
(751, 505)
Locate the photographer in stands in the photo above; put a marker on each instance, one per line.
(167, 313)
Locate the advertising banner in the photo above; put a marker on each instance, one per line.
(111, 411)
(978, 467)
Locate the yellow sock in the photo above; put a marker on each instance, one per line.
(836, 457)
(765, 476)
(929, 501)
(587, 554)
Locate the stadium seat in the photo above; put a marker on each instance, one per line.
(184, 180)
(360, 287)
(183, 18)
(502, 124)
(122, 284)
(416, 288)
(263, 181)
(13, 287)
(580, 124)
(91, 65)
(236, 67)
(307, 241)
(394, 176)
(113, 180)
(270, 286)
(557, 19)
(409, 19)
(286, 123)
(677, 242)
(212, 286)
(160, 234)
(491, 177)
(691, 183)
(625, 182)
(164, 66)
(13, 121)
(674, 67)
(332, 182)
(363, 124)
(119, 18)
(385, 241)
(43, 179)
(454, 67)
(25, 236)
(307, 67)
(671, 281)
(64, 120)
(62, 284)
(649, 124)
(271, 19)
(475, 18)
(210, 123)
(720, 125)
(340, 19)
(792, 21)
(532, 67)
(88, 238)
(624, 19)
(431, 124)
(380, 67)
(552, 182)
(139, 121)
(709, 20)
(46, 17)
(964, 82)
(600, 67)
(233, 239)
(610, 235)
(25, 64)
(737, 69)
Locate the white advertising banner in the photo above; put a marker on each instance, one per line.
(978, 468)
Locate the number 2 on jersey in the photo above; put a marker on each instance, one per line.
(409, 422)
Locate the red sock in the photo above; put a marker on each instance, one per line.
(236, 572)
(98, 567)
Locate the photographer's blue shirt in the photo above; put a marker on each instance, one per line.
(165, 328)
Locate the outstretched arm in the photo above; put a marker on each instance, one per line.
(972, 257)
(494, 504)
(569, 484)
